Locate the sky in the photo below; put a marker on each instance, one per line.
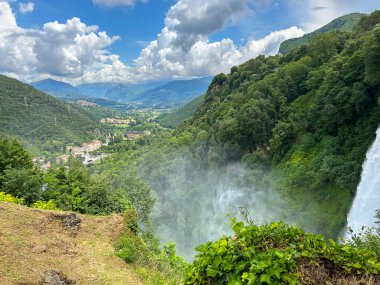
(86, 41)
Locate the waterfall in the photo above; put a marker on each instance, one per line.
(367, 199)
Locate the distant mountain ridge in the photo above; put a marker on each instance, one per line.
(57, 88)
(126, 95)
(345, 23)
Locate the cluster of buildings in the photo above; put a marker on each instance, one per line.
(84, 152)
(135, 135)
(42, 163)
(86, 103)
(116, 121)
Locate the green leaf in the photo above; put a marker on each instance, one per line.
(265, 278)
(211, 271)
(237, 227)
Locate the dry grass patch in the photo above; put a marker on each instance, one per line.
(35, 241)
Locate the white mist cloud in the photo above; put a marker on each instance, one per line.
(26, 8)
(193, 203)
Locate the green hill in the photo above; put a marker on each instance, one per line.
(36, 117)
(173, 119)
(344, 24)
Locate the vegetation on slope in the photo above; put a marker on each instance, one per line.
(280, 254)
(70, 187)
(345, 24)
(40, 119)
(34, 241)
(174, 118)
(307, 117)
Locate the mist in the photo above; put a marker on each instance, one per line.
(193, 203)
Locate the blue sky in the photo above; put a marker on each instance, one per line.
(141, 40)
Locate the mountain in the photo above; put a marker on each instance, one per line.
(173, 94)
(120, 93)
(95, 90)
(148, 95)
(159, 94)
(57, 89)
(344, 24)
(37, 117)
(173, 119)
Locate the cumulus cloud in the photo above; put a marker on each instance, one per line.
(115, 3)
(183, 48)
(77, 52)
(58, 49)
(26, 8)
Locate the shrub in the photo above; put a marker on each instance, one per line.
(272, 254)
(43, 205)
(10, 199)
(128, 248)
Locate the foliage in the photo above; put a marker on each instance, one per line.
(174, 118)
(48, 205)
(18, 176)
(40, 119)
(7, 198)
(156, 266)
(369, 238)
(271, 254)
(345, 23)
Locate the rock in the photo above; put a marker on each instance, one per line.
(70, 222)
(53, 277)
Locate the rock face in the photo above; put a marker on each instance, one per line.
(70, 221)
(53, 277)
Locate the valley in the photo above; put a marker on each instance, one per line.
(266, 173)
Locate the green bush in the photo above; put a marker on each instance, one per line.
(43, 205)
(128, 248)
(271, 254)
(10, 199)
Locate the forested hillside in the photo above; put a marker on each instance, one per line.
(301, 123)
(173, 119)
(344, 24)
(38, 118)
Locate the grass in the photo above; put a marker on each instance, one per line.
(33, 241)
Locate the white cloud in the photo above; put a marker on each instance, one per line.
(76, 52)
(314, 14)
(115, 3)
(26, 8)
(182, 49)
(66, 50)
(7, 18)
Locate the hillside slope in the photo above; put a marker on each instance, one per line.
(344, 24)
(173, 119)
(33, 243)
(37, 117)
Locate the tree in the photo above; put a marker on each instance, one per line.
(18, 175)
(372, 58)
(23, 183)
